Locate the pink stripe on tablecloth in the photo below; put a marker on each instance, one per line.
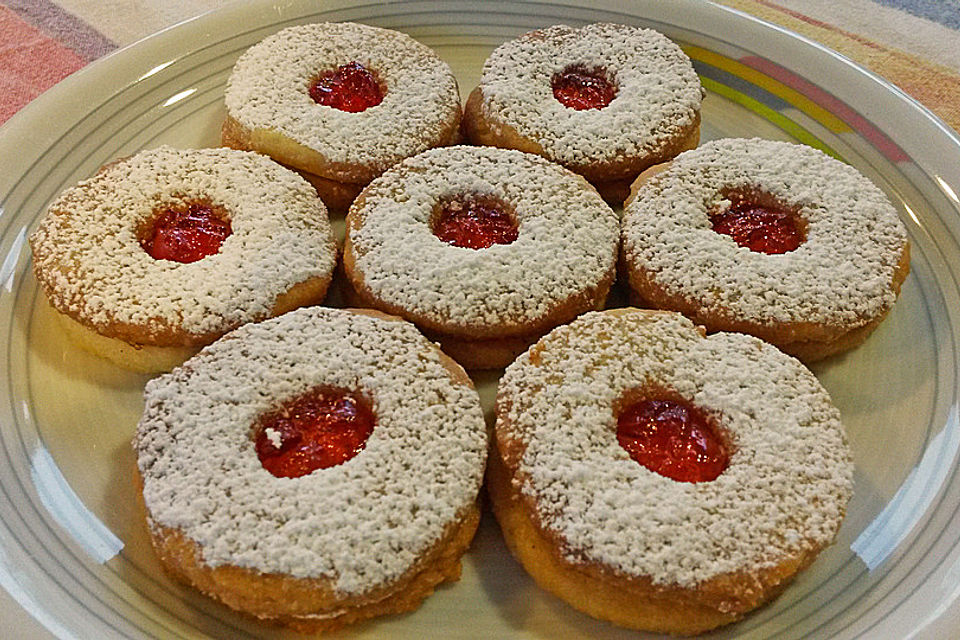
(62, 26)
(30, 62)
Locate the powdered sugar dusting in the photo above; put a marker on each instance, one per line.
(274, 436)
(785, 490)
(658, 93)
(567, 237)
(269, 89)
(362, 523)
(89, 260)
(840, 275)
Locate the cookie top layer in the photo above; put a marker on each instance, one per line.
(269, 89)
(567, 240)
(360, 524)
(90, 263)
(841, 275)
(657, 101)
(784, 492)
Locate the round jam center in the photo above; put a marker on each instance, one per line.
(351, 87)
(759, 228)
(474, 223)
(580, 88)
(186, 233)
(320, 429)
(673, 439)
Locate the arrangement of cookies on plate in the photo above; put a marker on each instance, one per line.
(668, 467)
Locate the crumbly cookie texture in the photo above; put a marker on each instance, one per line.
(91, 265)
(269, 89)
(567, 237)
(360, 524)
(658, 95)
(842, 274)
(786, 487)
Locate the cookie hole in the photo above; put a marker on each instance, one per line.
(184, 231)
(319, 429)
(760, 223)
(474, 221)
(670, 436)
(350, 87)
(580, 87)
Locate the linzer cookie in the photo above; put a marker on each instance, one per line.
(769, 238)
(604, 100)
(340, 102)
(485, 249)
(163, 252)
(661, 479)
(315, 469)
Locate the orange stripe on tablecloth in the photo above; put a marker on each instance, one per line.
(30, 63)
(69, 30)
(819, 24)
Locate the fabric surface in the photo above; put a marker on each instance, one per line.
(914, 44)
(30, 61)
(936, 84)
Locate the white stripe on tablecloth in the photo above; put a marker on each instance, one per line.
(138, 19)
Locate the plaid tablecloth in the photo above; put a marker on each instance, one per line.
(913, 43)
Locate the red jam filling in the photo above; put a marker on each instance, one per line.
(759, 228)
(351, 87)
(673, 439)
(320, 429)
(474, 223)
(186, 233)
(580, 88)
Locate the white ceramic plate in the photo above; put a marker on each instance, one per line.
(73, 546)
